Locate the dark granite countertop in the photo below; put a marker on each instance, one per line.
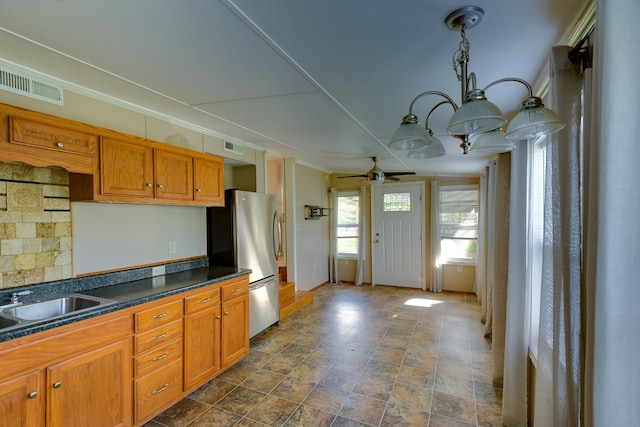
(132, 293)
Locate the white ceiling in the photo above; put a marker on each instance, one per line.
(326, 82)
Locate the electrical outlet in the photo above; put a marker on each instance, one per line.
(173, 247)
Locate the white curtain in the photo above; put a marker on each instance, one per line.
(362, 235)
(516, 351)
(487, 311)
(499, 260)
(334, 278)
(614, 376)
(480, 283)
(559, 367)
(436, 267)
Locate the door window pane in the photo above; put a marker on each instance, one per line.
(397, 202)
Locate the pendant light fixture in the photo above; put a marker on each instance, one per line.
(476, 115)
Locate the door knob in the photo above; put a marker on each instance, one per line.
(377, 240)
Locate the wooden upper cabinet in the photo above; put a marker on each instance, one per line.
(45, 135)
(126, 169)
(110, 166)
(208, 181)
(173, 175)
(42, 140)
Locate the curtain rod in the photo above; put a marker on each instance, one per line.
(578, 52)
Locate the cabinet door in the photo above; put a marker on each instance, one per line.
(91, 389)
(209, 181)
(174, 175)
(126, 169)
(201, 346)
(22, 402)
(235, 329)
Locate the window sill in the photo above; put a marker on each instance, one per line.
(458, 262)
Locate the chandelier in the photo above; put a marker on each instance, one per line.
(476, 115)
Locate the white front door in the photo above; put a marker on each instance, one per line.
(397, 234)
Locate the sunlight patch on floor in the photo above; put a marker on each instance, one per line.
(422, 302)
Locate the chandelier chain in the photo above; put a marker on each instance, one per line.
(461, 56)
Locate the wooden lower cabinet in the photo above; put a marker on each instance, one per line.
(22, 401)
(157, 390)
(91, 389)
(235, 330)
(124, 368)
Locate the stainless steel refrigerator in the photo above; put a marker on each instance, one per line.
(245, 233)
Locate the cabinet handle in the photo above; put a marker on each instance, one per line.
(161, 315)
(59, 144)
(155, 359)
(218, 317)
(226, 313)
(32, 395)
(160, 186)
(236, 290)
(149, 184)
(199, 190)
(159, 337)
(57, 384)
(204, 301)
(160, 390)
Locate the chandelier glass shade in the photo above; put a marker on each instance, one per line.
(476, 115)
(493, 141)
(432, 148)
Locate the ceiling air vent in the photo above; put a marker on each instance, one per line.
(233, 147)
(33, 87)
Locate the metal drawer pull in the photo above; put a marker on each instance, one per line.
(199, 190)
(155, 359)
(218, 317)
(160, 186)
(59, 144)
(32, 395)
(149, 184)
(161, 315)
(159, 337)
(226, 313)
(57, 384)
(204, 301)
(236, 290)
(160, 390)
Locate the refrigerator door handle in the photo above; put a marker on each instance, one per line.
(277, 239)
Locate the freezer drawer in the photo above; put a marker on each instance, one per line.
(264, 305)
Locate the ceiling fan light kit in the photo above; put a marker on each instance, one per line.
(476, 115)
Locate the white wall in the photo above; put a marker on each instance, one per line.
(112, 236)
(307, 240)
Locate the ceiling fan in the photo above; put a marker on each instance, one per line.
(376, 175)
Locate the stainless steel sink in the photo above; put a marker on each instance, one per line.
(6, 322)
(50, 309)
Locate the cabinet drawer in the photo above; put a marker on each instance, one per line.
(158, 336)
(43, 135)
(201, 301)
(234, 289)
(157, 357)
(159, 315)
(155, 391)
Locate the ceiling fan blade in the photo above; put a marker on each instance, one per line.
(391, 178)
(353, 176)
(388, 174)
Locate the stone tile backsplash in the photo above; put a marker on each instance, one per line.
(35, 225)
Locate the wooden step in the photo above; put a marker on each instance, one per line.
(287, 290)
(290, 305)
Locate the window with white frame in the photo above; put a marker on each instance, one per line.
(347, 228)
(459, 206)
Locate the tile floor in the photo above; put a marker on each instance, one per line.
(357, 356)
